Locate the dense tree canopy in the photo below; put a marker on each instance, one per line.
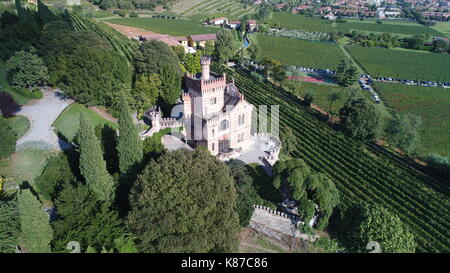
(225, 48)
(153, 55)
(346, 73)
(308, 189)
(360, 118)
(245, 189)
(184, 202)
(55, 174)
(364, 223)
(403, 131)
(145, 92)
(82, 218)
(26, 70)
(87, 68)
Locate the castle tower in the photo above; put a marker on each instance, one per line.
(205, 62)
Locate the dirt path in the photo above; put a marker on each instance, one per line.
(254, 246)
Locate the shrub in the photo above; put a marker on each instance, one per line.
(134, 14)
(8, 107)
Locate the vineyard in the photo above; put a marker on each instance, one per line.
(403, 64)
(429, 103)
(292, 51)
(363, 172)
(297, 21)
(119, 42)
(232, 9)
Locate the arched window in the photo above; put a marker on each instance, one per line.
(224, 125)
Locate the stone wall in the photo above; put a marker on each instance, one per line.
(275, 223)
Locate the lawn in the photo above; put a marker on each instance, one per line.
(4, 85)
(431, 104)
(402, 64)
(20, 124)
(292, 51)
(173, 27)
(297, 21)
(24, 165)
(67, 123)
(443, 27)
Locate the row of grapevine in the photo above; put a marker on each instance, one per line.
(119, 42)
(361, 172)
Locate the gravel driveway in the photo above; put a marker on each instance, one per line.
(42, 113)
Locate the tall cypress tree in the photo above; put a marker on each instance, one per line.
(129, 144)
(36, 232)
(92, 164)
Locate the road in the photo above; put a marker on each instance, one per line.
(42, 113)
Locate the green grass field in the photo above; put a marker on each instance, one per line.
(20, 124)
(25, 165)
(165, 26)
(402, 64)
(443, 27)
(291, 51)
(431, 104)
(4, 86)
(297, 21)
(68, 122)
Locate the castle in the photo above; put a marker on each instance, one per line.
(215, 114)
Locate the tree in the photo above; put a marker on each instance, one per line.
(245, 189)
(403, 131)
(346, 73)
(292, 174)
(8, 107)
(440, 46)
(309, 98)
(377, 224)
(153, 55)
(145, 92)
(26, 70)
(359, 118)
(108, 139)
(92, 164)
(288, 141)
(83, 218)
(184, 202)
(416, 41)
(129, 143)
(10, 227)
(55, 174)
(192, 63)
(308, 189)
(323, 192)
(36, 232)
(86, 67)
(170, 88)
(225, 48)
(332, 98)
(8, 138)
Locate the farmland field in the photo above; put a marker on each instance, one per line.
(292, 51)
(297, 21)
(361, 171)
(165, 26)
(431, 104)
(402, 64)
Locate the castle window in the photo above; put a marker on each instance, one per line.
(213, 146)
(212, 132)
(241, 119)
(224, 125)
(241, 137)
(213, 101)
